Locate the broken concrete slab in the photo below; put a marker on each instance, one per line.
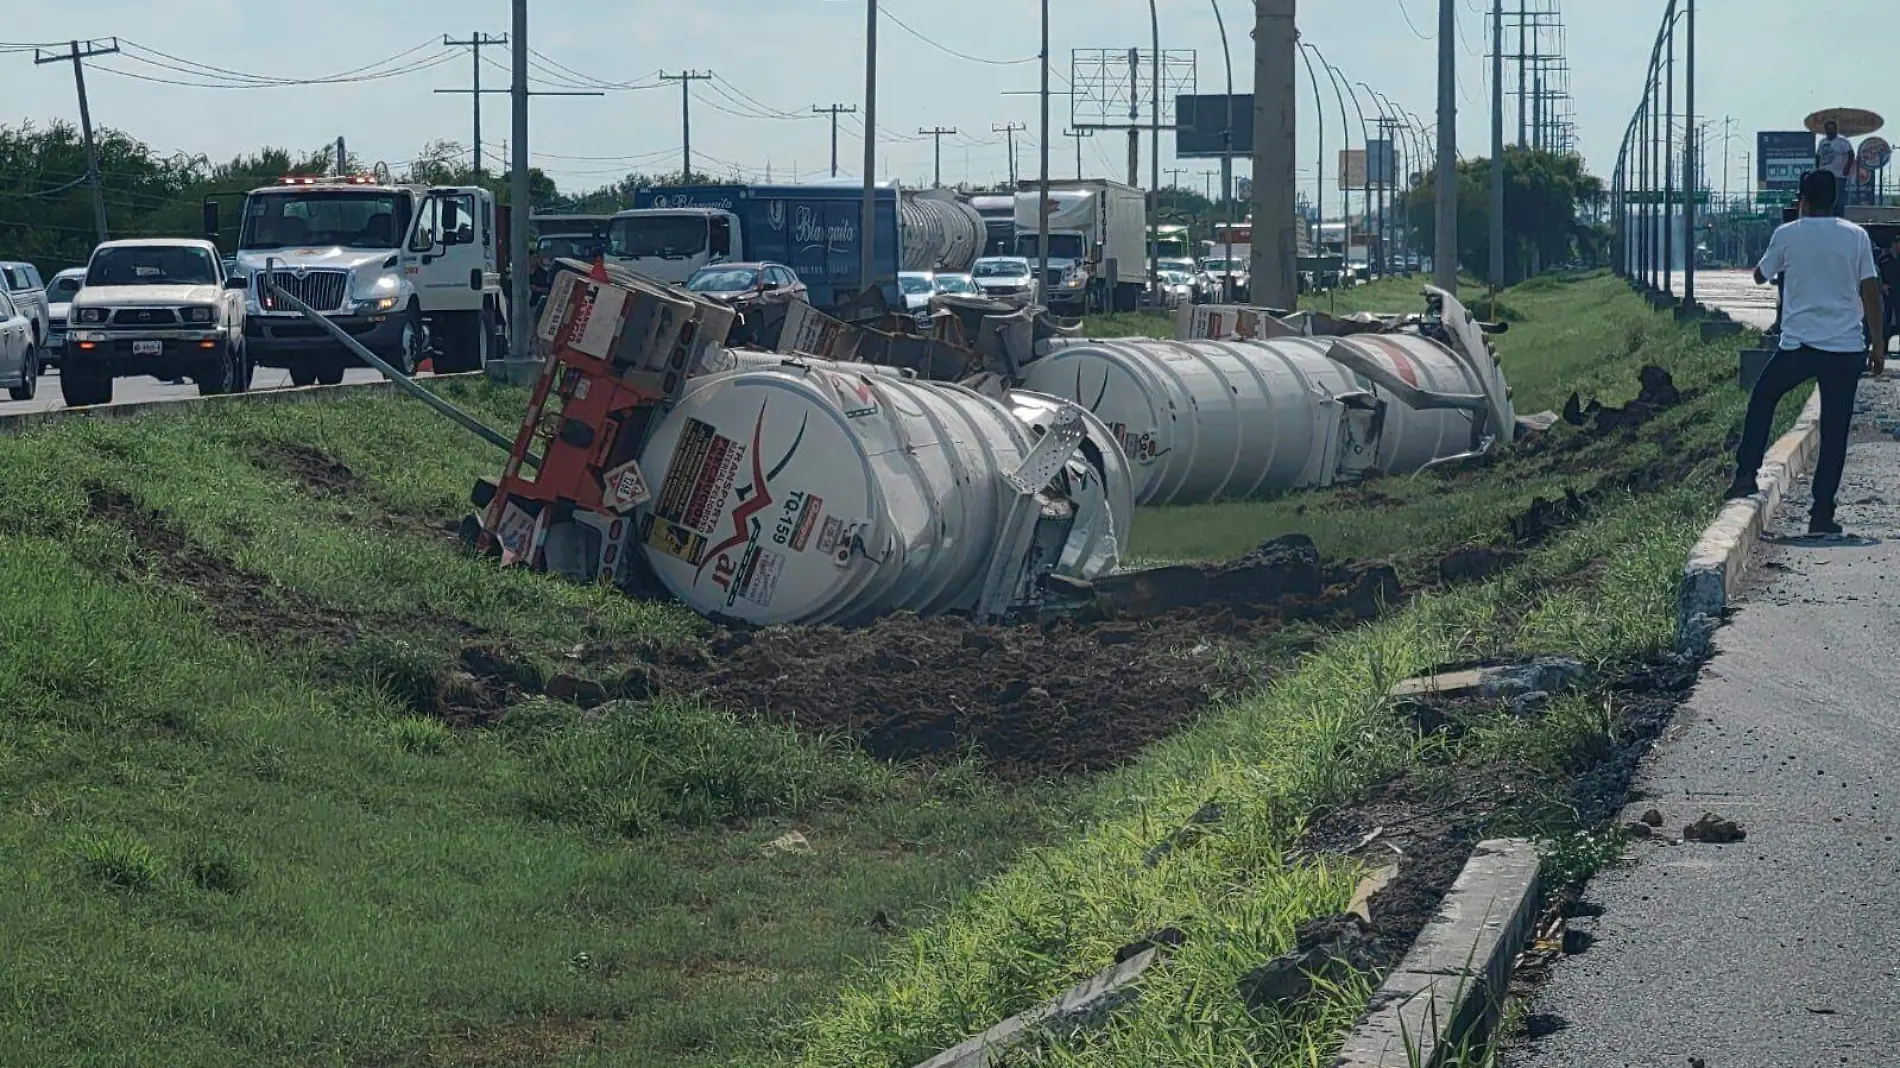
(1546, 675)
(1077, 1009)
(1457, 973)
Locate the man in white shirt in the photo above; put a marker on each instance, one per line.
(1830, 314)
(1835, 155)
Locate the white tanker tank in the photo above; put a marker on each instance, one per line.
(941, 233)
(1210, 420)
(810, 493)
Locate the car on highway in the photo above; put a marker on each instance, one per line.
(155, 306)
(28, 292)
(747, 285)
(19, 356)
(961, 285)
(1009, 279)
(1177, 288)
(59, 299)
(918, 287)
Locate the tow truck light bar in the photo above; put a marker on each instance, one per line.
(353, 179)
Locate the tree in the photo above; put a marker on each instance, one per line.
(1551, 208)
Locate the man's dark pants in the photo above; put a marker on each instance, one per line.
(1839, 374)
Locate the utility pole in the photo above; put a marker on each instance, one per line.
(475, 43)
(1077, 136)
(1275, 248)
(939, 133)
(1207, 185)
(1689, 170)
(520, 211)
(1174, 176)
(80, 51)
(1042, 187)
(1154, 181)
(1445, 254)
(1009, 130)
(1497, 150)
(1134, 117)
(1523, 79)
(834, 111)
(867, 216)
(686, 80)
(342, 158)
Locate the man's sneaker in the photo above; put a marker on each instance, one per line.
(1818, 525)
(1741, 487)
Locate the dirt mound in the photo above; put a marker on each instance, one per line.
(241, 602)
(1070, 696)
(1657, 394)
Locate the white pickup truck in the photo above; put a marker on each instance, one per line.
(155, 306)
(410, 271)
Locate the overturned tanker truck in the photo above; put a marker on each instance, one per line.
(784, 487)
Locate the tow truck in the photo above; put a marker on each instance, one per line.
(411, 271)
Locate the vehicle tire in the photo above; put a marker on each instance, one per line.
(85, 386)
(303, 375)
(330, 374)
(29, 377)
(246, 370)
(463, 343)
(414, 346)
(219, 376)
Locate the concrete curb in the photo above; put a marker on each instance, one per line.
(1720, 558)
(15, 424)
(1456, 975)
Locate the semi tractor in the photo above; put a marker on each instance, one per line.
(815, 230)
(1098, 243)
(411, 271)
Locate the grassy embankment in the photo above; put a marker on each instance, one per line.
(237, 831)
(1602, 589)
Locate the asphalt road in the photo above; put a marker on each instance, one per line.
(1734, 292)
(1781, 951)
(144, 389)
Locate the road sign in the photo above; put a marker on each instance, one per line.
(1200, 120)
(1657, 196)
(1782, 157)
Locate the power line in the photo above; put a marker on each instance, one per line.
(947, 50)
(475, 43)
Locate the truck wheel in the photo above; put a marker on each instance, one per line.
(218, 376)
(246, 370)
(85, 386)
(29, 377)
(463, 342)
(303, 375)
(330, 374)
(414, 346)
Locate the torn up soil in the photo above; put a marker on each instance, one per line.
(326, 478)
(1429, 821)
(1074, 695)
(242, 603)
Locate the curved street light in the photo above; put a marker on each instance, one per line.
(1227, 161)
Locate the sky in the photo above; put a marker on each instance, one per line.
(1765, 64)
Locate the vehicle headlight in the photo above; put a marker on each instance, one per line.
(204, 314)
(375, 304)
(89, 315)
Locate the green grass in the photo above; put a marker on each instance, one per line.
(231, 849)
(1603, 591)
(225, 844)
(1582, 334)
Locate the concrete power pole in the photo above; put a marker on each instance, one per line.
(937, 135)
(1497, 148)
(1042, 185)
(520, 209)
(1445, 251)
(834, 111)
(1009, 130)
(686, 78)
(867, 217)
(1077, 136)
(475, 43)
(1274, 266)
(79, 53)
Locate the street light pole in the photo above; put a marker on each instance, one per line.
(867, 212)
(1226, 160)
